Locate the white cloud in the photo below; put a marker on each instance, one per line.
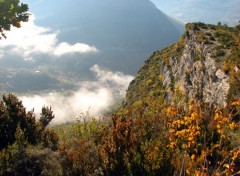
(67, 108)
(65, 48)
(95, 96)
(106, 77)
(30, 40)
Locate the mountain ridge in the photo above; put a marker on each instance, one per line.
(203, 65)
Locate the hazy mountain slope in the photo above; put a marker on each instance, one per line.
(125, 32)
(225, 11)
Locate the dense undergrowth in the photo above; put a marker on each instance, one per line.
(159, 140)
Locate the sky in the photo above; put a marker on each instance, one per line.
(207, 11)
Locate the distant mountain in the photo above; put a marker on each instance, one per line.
(224, 11)
(124, 31)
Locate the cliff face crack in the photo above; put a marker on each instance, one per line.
(196, 72)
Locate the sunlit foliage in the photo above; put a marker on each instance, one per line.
(206, 140)
(12, 13)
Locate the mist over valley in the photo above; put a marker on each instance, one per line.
(56, 52)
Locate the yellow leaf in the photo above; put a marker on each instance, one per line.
(226, 165)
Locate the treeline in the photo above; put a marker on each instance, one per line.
(154, 140)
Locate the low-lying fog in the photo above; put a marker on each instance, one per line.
(94, 97)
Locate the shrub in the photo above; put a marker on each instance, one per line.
(13, 113)
(33, 160)
(220, 53)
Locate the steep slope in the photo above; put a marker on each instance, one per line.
(182, 111)
(203, 66)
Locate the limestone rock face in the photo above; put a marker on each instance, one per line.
(197, 78)
(203, 66)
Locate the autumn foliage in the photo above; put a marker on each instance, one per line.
(146, 139)
(197, 140)
(206, 141)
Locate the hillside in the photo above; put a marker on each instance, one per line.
(182, 111)
(204, 65)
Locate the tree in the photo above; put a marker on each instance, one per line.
(27, 146)
(13, 114)
(12, 13)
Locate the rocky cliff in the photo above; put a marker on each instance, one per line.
(203, 66)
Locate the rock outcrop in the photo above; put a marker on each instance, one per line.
(203, 65)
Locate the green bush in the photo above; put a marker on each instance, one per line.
(13, 113)
(31, 160)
